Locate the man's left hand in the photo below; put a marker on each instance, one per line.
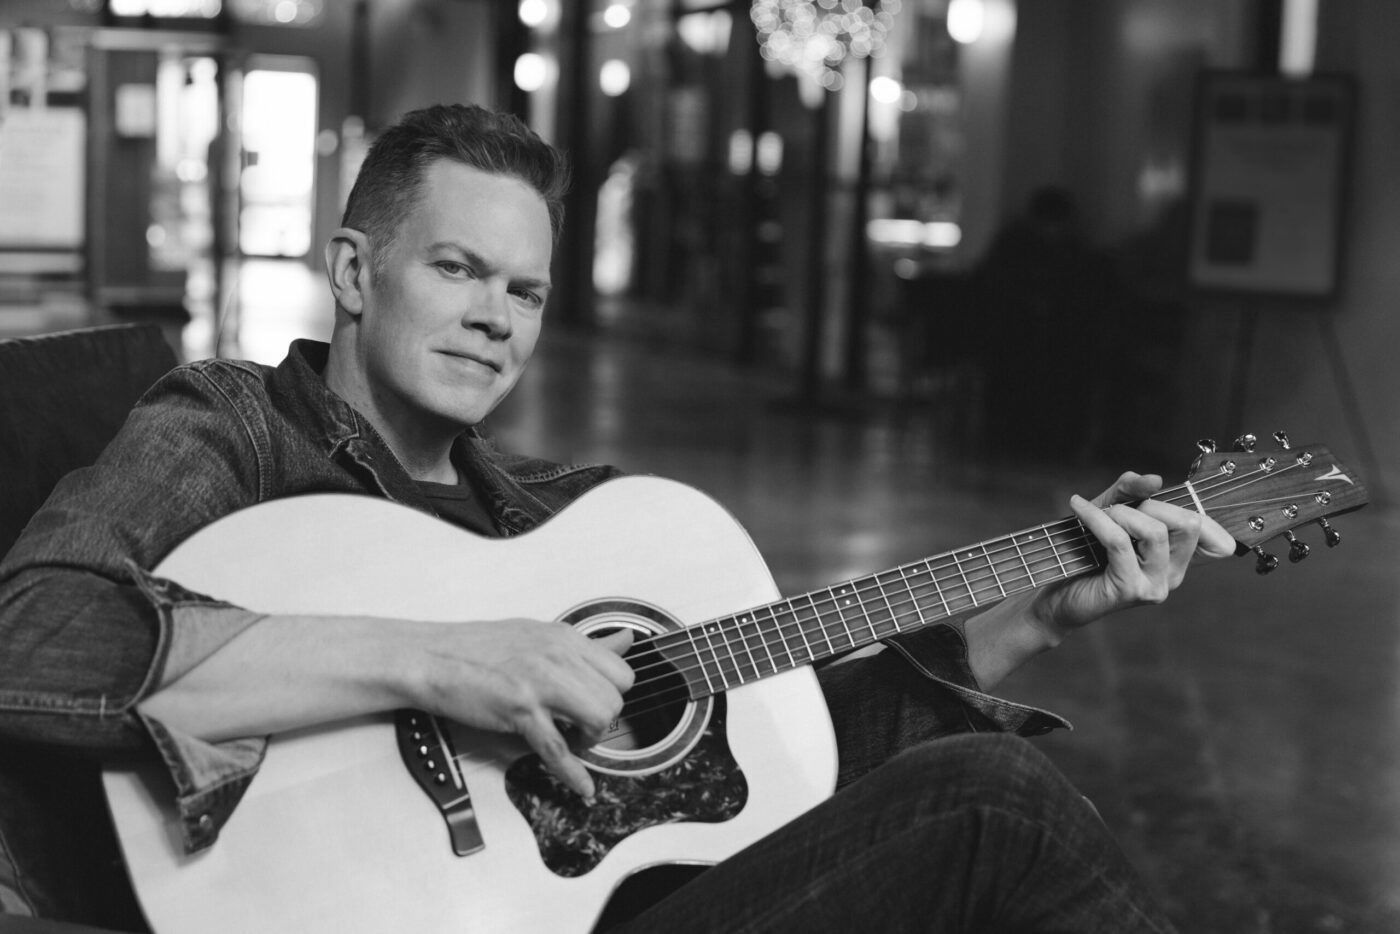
(1149, 544)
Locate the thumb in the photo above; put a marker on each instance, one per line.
(618, 641)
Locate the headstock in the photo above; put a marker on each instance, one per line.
(1258, 495)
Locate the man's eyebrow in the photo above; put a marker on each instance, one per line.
(485, 265)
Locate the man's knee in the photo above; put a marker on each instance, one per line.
(982, 770)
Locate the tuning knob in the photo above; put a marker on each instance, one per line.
(1267, 562)
(1246, 443)
(1334, 538)
(1297, 550)
(1282, 438)
(1206, 445)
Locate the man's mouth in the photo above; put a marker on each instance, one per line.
(483, 361)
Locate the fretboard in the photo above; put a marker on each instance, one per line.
(723, 653)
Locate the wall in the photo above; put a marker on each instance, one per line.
(1351, 401)
(429, 52)
(1102, 96)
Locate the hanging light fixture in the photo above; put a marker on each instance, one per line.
(816, 37)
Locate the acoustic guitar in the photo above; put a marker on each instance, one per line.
(408, 822)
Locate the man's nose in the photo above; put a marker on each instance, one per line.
(489, 309)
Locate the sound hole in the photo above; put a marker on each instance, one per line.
(654, 709)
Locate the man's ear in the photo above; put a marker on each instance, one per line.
(347, 268)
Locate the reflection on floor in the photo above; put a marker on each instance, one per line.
(1241, 740)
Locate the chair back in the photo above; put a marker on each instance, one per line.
(63, 396)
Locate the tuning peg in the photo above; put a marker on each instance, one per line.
(1246, 443)
(1267, 562)
(1282, 438)
(1206, 445)
(1334, 538)
(1297, 550)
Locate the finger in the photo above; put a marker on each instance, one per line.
(609, 662)
(545, 739)
(1114, 538)
(1204, 536)
(1151, 537)
(1214, 542)
(583, 697)
(1183, 532)
(618, 641)
(1129, 487)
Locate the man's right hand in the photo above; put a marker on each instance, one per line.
(528, 677)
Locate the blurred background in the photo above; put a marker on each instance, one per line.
(885, 277)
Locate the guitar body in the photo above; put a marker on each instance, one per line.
(344, 829)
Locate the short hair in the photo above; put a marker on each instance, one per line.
(390, 180)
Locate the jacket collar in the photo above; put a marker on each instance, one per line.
(349, 438)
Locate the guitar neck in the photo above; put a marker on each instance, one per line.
(723, 653)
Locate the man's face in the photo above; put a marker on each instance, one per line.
(452, 317)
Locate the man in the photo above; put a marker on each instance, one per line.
(440, 274)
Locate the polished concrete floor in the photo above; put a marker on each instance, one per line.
(1242, 740)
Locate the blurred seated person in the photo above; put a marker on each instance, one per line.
(1048, 300)
(440, 275)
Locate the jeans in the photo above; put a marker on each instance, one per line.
(954, 833)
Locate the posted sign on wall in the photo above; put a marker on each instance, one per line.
(1268, 181)
(41, 178)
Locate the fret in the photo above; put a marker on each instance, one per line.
(841, 623)
(1044, 556)
(893, 628)
(1055, 550)
(1021, 556)
(1074, 542)
(1012, 574)
(802, 627)
(858, 600)
(792, 661)
(837, 600)
(699, 662)
(996, 578)
(914, 597)
(744, 641)
(959, 601)
(923, 586)
(706, 631)
(938, 591)
(763, 637)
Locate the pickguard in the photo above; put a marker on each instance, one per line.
(573, 836)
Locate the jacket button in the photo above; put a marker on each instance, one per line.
(206, 823)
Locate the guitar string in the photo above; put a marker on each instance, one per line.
(1061, 527)
(827, 628)
(822, 610)
(823, 616)
(1086, 545)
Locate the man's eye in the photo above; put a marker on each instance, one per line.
(454, 269)
(533, 299)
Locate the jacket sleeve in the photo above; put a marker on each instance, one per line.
(88, 633)
(939, 653)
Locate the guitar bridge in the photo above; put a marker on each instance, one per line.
(428, 754)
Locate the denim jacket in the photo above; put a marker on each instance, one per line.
(88, 632)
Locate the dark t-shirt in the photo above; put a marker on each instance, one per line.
(459, 504)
